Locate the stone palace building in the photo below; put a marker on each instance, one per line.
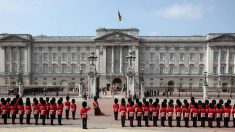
(169, 62)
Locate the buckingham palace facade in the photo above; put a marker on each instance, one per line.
(170, 62)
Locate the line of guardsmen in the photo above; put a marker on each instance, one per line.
(152, 111)
(43, 109)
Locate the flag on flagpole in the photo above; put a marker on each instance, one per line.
(119, 16)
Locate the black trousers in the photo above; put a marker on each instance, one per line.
(116, 115)
(67, 114)
(4, 118)
(194, 121)
(28, 118)
(178, 121)
(48, 114)
(59, 119)
(43, 119)
(210, 122)
(155, 118)
(139, 121)
(203, 120)
(218, 122)
(186, 120)
(73, 115)
(52, 118)
(163, 121)
(13, 117)
(151, 116)
(146, 120)
(36, 119)
(226, 120)
(21, 119)
(131, 121)
(123, 119)
(233, 122)
(170, 121)
(84, 123)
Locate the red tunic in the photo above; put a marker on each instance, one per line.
(67, 105)
(28, 110)
(211, 113)
(52, 110)
(186, 112)
(13, 110)
(203, 113)
(43, 110)
(36, 110)
(227, 112)
(195, 112)
(115, 107)
(122, 111)
(95, 104)
(150, 107)
(83, 112)
(146, 111)
(73, 107)
(163, 112)
(131, 111)
(233, 112)
(21, 110)
(139, 111)
(136, 106)
(59, 109)
(170, 111)
(47, 105)
(4, 110)
(178, 112)
(155, 111)
(218, 113)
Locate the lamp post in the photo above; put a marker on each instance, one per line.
(205, 87)
(80, 93)
(142, 84)
(130, 75)
(20, 83)
(231, 87)
(219, 88)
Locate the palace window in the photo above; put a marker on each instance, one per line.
(216, 54)
(151, 68)
(172, 56)
(73, 68)
(73, 56)
(45, 56)
(181, 56)
(151, 56)
(7, 68)
(191, 68)
(161, 56)
(181, 71)
(201, 57)
(162, 68)
(14, 68)
(231, 69)
(171, 69)
(223, 69)
(64, 56)
(223, 55)
(201, 68)
(231, 56)
(54, 56)
(54, 67)
(64, 68)
(215, 69)
(45, 68)
(83, 56)
(191, 55)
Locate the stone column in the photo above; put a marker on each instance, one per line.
(80, 89)
(219, 61)
(11, 58)
(18, 59)
(26, 60)
(112, 64)
(227, 61)
(120, 59)
(2, 58)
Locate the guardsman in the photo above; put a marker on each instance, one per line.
(96, 107)
(199, 109)
(163, 113)
(52, 111)
(203, 115)
(233, 112)
(43, 111)
(195, 114)
(115, 108)
(146, 113)
(59, 110)
(143, 106)
(36, 111)
(211, 113)
(8, 104)
(123, 112)
(207, 108)
(131, 110)
(170, 111)
(67, 107)
(21, 110)
(150, 109)
(4, 110)
(136, 107)
(186, 112)
(178, 112)
(227, 112)
(13, 111)
(28, 110)
(155, 110)
(139, 114)
(218, 114)
(83, 114)
(47, 106)
(127, 107)
(73, 108)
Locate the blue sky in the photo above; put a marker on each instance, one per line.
(83, 17)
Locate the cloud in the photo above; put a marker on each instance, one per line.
(182, 11)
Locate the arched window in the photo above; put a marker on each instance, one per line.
(223, 68)
(45, 68)
(73, 68)
(162, 68)
(54, 68)
(172, 69)
(191, 67)
(83, 67)
(181, 70)
(64, 68)
(201, 69)
(14, 68)
(151, 68)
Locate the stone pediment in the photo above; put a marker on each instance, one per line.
(223, 38)
(13, 38)
(117, 36)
